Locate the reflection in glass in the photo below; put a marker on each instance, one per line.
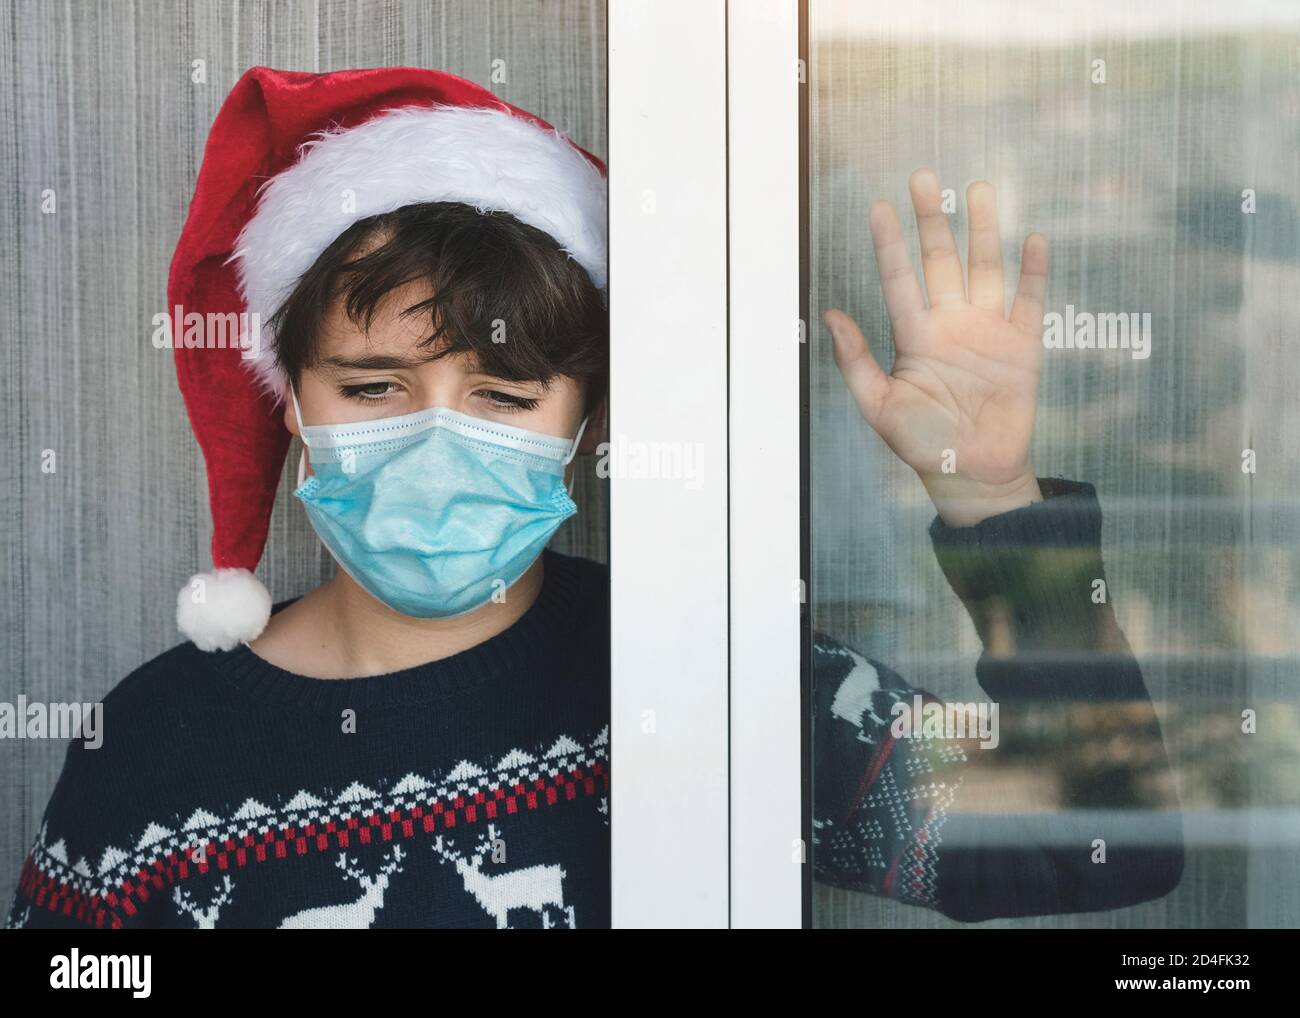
(1146, 767)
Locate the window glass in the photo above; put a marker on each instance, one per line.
(1155, 148)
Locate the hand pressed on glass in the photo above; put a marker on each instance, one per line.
(958, 406)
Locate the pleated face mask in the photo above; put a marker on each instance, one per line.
(434, 512)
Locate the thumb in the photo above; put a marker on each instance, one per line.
(864, 377)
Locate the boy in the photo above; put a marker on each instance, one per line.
(423, 740)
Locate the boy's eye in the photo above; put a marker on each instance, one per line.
(506, 401)
(369, 392)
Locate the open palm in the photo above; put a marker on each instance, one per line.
(958, 406)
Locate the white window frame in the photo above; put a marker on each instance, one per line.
(707, 758)
(769, 851)
(668, 553)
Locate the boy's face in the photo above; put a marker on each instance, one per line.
(360, 377)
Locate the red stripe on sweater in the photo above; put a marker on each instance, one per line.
(45, 890)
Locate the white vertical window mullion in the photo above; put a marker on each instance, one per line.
(767, 872)
(668, 462)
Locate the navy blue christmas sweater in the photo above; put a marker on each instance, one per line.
(474, 791)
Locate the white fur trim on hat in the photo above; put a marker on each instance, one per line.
(481, 156)
(222, 609)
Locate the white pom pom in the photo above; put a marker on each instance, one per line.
(222, 609)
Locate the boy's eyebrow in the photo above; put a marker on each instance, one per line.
(388, 362)
(375, 362)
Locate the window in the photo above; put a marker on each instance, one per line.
(1154, 147)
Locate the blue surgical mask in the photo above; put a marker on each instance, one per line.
(434, 512)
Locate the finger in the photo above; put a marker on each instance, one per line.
(864, 377)
(903, 296)
(939, 259)
(985, 259)
(1027, 308)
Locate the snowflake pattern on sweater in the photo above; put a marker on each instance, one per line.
(880, 802)
(360, 846)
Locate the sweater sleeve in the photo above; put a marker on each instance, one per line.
(1068, 807)
(54, 891)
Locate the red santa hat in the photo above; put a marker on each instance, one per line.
(293, 160)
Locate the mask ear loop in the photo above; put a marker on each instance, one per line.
(302, 433)
(574, 451)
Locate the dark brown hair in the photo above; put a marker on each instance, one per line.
(490, 276)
